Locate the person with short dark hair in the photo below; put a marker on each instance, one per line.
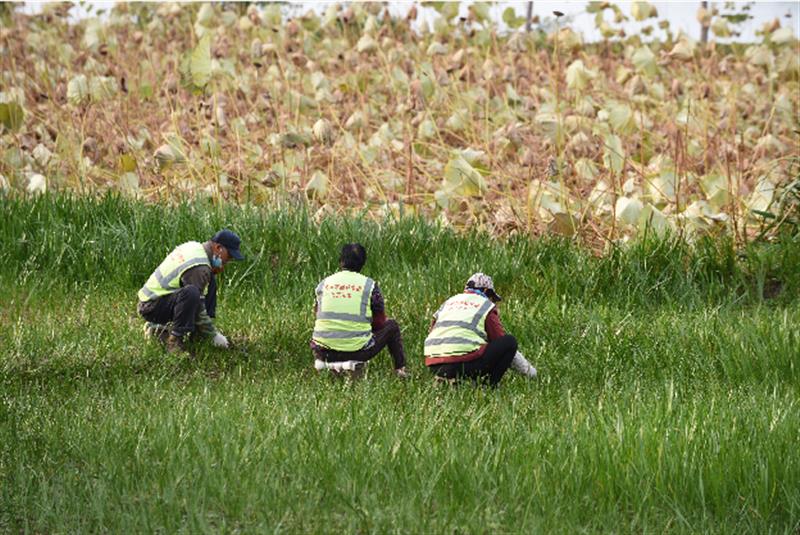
(353, 257)
(180, 297)
(351, 325)
(467, 340)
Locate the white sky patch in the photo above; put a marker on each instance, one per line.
(680, 14)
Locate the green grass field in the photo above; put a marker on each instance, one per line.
(667, 398)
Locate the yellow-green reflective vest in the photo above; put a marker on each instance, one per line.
(460, 326)
(166, 279)
(344, 315)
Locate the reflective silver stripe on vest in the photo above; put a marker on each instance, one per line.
(340, 334)
(148, 293)
(469, 325)
(345, 316)
(165, 280)
(486, 307)
(365, 297)
(448, 340)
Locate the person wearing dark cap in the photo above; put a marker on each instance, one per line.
(351, 325)
(467, 340)
(180, 297)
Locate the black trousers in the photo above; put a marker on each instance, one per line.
(388, 335)
(179, 307)
(491, 366)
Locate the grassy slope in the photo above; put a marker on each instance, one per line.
(668, 398)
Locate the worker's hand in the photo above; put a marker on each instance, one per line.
(220, 341)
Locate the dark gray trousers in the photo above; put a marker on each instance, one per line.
(180, 308)
(491, 366)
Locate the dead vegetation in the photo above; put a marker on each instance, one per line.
(353, 110)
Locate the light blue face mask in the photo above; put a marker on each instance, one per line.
(216, 262)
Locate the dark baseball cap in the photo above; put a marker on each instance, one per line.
(229, 240)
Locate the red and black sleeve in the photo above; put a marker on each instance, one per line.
(494, 329)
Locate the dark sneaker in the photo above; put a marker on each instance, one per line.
(401, 373)
(156, 331)
(439, 380)
(358, 371)
(163, 336)
(175, 346)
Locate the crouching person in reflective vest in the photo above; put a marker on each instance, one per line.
(351, 325)
(467, 340)
(180, 297)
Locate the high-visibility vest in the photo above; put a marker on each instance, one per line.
(344, 314)
(460, 327)
(166, 279)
